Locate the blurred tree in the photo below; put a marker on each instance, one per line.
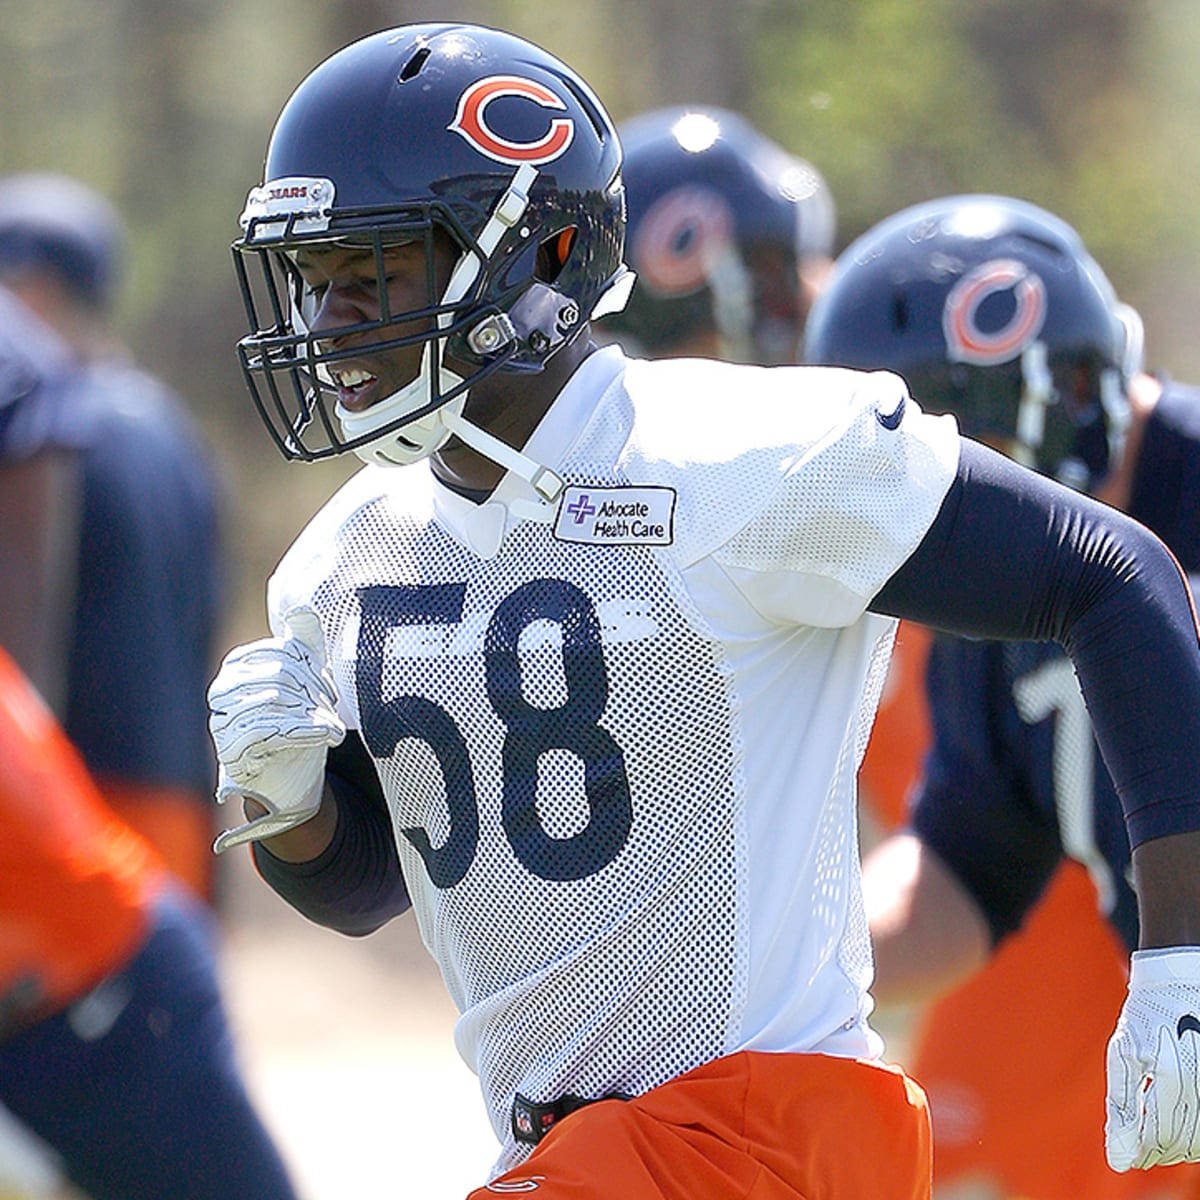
(697, 51)
(886, 99)
(346, 21)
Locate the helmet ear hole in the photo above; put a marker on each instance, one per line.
(553, 254)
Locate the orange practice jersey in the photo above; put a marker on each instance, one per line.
(1013, 1060)
(174, 821)
(74, 880)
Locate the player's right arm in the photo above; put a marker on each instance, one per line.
(340, 869)
(314, 809)
(41, 497)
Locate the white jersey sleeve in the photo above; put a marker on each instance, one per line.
(809, 486)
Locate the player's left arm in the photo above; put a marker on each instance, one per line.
(1013, 555)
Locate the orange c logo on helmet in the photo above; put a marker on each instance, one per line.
(965, 340)
(471, 121)
(680, 239)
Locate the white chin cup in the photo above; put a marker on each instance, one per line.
(414, 440)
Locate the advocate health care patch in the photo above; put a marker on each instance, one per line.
(616, 516)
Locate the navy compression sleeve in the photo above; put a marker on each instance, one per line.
(1015, 556)
(355, 885)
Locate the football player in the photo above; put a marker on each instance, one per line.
(580, 666)
(730, 237)
(109, 557)
(114, 1044)
(993, 310)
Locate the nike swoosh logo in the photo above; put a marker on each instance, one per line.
(892, 420)
(1187, 1023)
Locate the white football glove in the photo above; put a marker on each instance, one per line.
(273, 717)
(1153, 1105)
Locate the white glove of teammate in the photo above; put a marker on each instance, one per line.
(273, 717)
(1153, 1105)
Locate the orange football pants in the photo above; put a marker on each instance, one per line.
(1013, 1061)
(750, 1126)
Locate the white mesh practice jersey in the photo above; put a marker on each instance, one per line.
(618, 734)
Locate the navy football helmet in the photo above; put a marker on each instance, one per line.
(993, 310)
(53, 223)
(421, 134)
(721, 221)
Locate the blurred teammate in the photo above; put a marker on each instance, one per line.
(581, 664)
(114, 1046)
(108, 548)
(992, 310)
(729, 235)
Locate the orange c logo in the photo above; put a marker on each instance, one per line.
(965, 340)
(471, 121)
(680, 239)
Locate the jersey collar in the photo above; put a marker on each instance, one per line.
(481, 528)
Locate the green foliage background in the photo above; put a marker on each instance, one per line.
(1088, 107)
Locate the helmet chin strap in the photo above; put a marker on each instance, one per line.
(545, 482)
(418, 439)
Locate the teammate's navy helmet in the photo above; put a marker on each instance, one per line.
(55, 223)
(720, 217)
(993, 310)
(421, 133)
